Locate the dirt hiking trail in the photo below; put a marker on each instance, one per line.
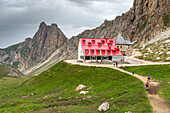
(158, 104)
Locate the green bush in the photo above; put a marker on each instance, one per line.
(6, 59)
(15, 64)
(140, 57)
(166, 20)
(142, 26)
(10, 48)
(147, 36)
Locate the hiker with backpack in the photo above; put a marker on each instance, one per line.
(133, 72)
(147, 84)
(148, 78)
(116, 64)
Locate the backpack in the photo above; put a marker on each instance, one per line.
(146, 83)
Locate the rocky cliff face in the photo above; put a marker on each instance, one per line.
(146, 19)
(35, 50)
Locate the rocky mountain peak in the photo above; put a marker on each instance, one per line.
(42, 24)
(54, 25)
(28, 39)
(34, 50)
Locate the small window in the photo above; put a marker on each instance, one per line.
(108, 51)
(89, 43)
(110, 45)
(117, 46)
(92, 51)
(103, 51)
(111, 41)
(93, 41)
(87, 50)
(98, 51)
(117, 49)
(84, 41)
(114, 51)
(100, 44)
(103, 41)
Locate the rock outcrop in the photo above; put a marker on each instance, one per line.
(104, 106)
(80, 87)
(84, 92)
(145, 20)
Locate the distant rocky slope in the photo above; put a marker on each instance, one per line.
(157, 49)
(145, 20)
(38, 49)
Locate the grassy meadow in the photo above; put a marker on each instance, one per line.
(54, 91)
(4, 70)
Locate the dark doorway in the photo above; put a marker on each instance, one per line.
(87, 57)
(93, 58)
(98, 57)
(110, 57)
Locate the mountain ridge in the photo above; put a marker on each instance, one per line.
(36, 50)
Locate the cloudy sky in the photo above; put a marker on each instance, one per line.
(20, 19)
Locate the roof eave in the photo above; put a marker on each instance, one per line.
(123, 44)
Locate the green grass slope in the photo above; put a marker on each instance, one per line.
(54, 91)
(4, 70)
(8, 71)
(157, 72)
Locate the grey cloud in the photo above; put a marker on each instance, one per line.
(20, 18)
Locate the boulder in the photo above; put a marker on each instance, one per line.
(80, 87)
(168, 58)
(84, 92)
(168, 53)
(161, 52)
(32, 94)
(104, 106)
(149, 50)
(89, 96)
(60, 98)
(158, 58)
(24, 97)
